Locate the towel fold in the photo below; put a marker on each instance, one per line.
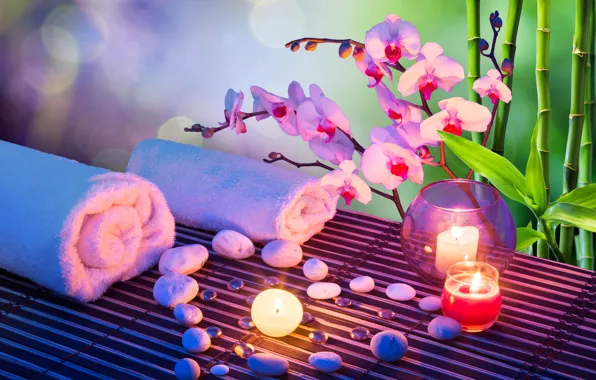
(217, 191)
(74, 228)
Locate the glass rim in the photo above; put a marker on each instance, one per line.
(472, 264)
(460, 180)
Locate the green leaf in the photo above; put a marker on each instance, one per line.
(497, 169)
(527, 236)
(535, 186)
(569, 213)
(582, 196)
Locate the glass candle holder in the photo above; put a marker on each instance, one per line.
(457, 220)
(471, 295)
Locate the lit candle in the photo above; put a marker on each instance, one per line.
(471, 295)
(276, 312)
(454, 245)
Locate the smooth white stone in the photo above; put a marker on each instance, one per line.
(430, 303)
(400, 292)
(444, 328)
(219, 370)
(174, 288)
(233, 245)
(323, 290)
(315, 269)
(187, 369)
(389, 345)
(196, 340)
(325, 361)
(362, 284)
(186, 259)
(268, 364)
(187, 315)
(282, 253)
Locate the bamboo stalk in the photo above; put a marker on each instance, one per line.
(579, 58)
(585, 250)
(543, 92)
(511, 27)
(473, 10)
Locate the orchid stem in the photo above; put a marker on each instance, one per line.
(325, 41)
(201, 128)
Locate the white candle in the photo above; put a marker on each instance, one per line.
(276, 312)
(456, 244)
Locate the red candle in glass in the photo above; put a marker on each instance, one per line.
(471, 295)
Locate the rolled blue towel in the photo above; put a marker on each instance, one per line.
(218, 191)
(74, 228)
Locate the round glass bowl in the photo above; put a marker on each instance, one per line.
(457, 220)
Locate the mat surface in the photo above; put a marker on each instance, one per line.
(547, 327)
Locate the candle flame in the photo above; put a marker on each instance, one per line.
(457, 232)
(475, 287)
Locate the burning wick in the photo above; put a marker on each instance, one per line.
(475, 287)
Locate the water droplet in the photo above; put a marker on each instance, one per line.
(343, 302)
(246, 323)
(307, 318)
(318, 336)
(213, 332)
(360, 333)
(208, 295)
(272, 281)
(387, 314)
(235, 284)
(250, 299)
(244, 350)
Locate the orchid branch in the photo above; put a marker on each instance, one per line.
(324, 41)
(487, 133)
(357, 146)
(208, 132)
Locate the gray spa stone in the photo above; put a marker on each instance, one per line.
(389, 345)
(362, 284)
(219, 370)
(268, 364)
(174, 288)
(430, 303)
(444, 328)
(186, 259)
(282, 254)
(187, 369)
(196, 340)
(400, 292)
(323, 290)
(233, 245)
(187, 315)
(315, 269)
(325, 361)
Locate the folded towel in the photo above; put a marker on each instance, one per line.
(216, 191)
(74, 228)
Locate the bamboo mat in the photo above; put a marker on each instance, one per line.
(547, 327)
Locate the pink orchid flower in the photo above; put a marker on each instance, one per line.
(390, 165)
(320, 117)
(281, 109)
(339, 149)
(457, 115)
(345, 182)
(373, 70)
(433, 70)
(233, 114)
(407, 136)
(392, 39)
(400, 111)
(492, 85)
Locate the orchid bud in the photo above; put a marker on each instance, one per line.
(295, 46)
(498, 22)
(483, 44)
(358, 53)
(507, 65)
(207, 133)
(310, 46)
(424, 153)
(345, 49)
(274, 155)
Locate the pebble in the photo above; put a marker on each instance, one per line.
(315, 269)
(184, 260)
(268, 364)
(325, 361)
(233, 245)
(187, 315)
(196, 340)
(219, 370)
(430, 303)
(323, 290)
(174, 288)
(389, 345)
(282, 253)
(400, 292)
(362, 284)
(444, 328)
(187, 369)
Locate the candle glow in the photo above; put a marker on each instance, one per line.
(456, 244)
(276, 312)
